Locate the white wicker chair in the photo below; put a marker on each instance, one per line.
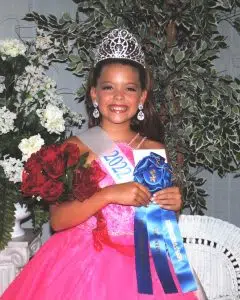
(213, 248)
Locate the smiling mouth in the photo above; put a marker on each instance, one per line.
(118, 108)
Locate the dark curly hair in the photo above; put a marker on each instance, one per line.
(151, 126)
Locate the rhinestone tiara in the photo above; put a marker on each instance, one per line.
(120, 44)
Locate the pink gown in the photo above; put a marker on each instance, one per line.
(86, 264)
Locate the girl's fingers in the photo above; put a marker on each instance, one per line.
(142, 198)
(142, 195)
(140, 201)
(167, 193)
(167, 202)
(168, 207)
(144, 190)
(169, 198)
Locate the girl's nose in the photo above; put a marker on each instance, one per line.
(119, 94)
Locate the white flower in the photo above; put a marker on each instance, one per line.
(6, 120)
(38, 198)
(13, 168)
(43, 60)
(52, 119)
(30, 145)
(2, 87)
(49, 83)
(33, 70)
(36, 83)
(12, 48)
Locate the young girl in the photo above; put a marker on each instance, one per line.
(92, 254)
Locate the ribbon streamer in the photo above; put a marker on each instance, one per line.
(158, 228)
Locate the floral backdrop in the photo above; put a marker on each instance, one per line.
(32, 114)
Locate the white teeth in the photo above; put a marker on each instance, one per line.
(118, 109)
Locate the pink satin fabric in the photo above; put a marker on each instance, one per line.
(94, 260)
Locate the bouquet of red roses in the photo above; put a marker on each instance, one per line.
(57, 173)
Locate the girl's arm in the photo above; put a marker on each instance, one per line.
(72, 213)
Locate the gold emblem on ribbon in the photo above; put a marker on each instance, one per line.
(153, 176)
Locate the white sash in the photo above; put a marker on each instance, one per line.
(114, 160)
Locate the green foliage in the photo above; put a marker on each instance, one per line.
(40, 216)
(8, 193)
(200, 108)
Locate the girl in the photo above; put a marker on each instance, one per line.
(92, 255)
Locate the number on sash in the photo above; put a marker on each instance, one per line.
(108, 157)
(117, 165)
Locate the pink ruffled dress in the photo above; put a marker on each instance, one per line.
(94, 260)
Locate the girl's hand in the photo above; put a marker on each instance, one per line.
(169, 198)
(130, 193)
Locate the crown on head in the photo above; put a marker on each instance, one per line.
(120, 44)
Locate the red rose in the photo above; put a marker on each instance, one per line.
(96, 172)
(32, 176)
(51, 190)
(53, 162)
(72, 152)
(32, 182)
(33, 163)
(86, 181)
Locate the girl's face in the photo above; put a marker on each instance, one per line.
(118, 93)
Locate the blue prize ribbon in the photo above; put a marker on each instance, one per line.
(177, 252)
(159, 228)
(158, 249)
(144, 278)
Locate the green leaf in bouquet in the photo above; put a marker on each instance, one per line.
(82, 160)
(69, 179)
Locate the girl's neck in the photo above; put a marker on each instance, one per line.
(119, 132)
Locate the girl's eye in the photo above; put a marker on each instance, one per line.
(131, 89)
(107, 87)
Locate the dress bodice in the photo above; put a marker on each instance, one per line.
(119, 218)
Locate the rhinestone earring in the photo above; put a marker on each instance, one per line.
(140, 115)
(96, 111)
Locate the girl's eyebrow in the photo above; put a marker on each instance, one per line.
(109, 82)
(105, 82)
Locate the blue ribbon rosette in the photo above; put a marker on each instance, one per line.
(157, 229)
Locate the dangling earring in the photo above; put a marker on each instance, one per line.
(140, 115)
(96, 111)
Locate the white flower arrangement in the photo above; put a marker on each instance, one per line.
(32, 114)
(36, 112)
